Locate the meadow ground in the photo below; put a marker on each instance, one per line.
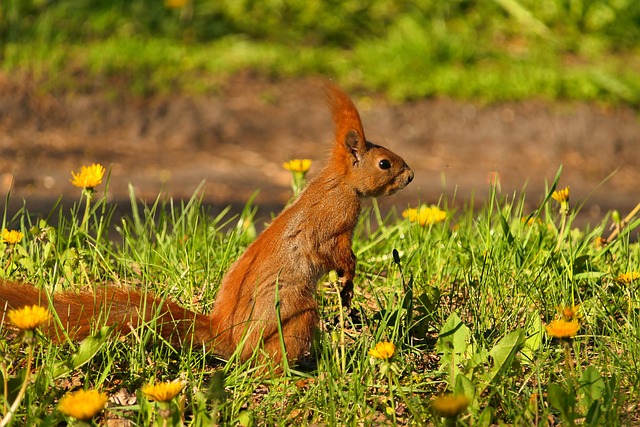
(505, 302)
(506, 307)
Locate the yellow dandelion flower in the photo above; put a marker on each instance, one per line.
(431, 216)
(83, 404)
(570, 313)
(89, 176)
(163, 392)
(561, 196)
(563, 329)
(449, 405)
(12, 236)
(297, 165)
(411, 214)
(425, 215)
(383, 350)
(28, 317)
(628, 278)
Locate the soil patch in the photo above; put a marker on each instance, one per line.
(237, 140)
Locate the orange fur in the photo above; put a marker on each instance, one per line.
(274, 281)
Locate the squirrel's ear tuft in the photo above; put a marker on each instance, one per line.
(345, 117)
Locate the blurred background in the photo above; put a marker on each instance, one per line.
(168, 94)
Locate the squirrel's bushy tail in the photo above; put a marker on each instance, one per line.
(77, 314)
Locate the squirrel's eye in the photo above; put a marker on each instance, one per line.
(384, 164)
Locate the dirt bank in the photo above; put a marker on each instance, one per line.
(237, 140)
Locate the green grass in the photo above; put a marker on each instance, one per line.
(464, 301)
(481, 50)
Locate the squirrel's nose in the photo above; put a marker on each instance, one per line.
(410, 176)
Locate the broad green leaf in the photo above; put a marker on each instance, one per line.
(484, 420)
(504, 352)
(534, 337)
(592, 385)
(476, 356)
(452, 343)
(453, 336)
(87, 349)
(244, 419)
(559, 399)
(594, 275)
(465, 387)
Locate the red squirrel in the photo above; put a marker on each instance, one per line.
(274, 281)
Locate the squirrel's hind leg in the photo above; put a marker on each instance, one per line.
(298, 329)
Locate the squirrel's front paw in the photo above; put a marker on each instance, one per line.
(346, 294)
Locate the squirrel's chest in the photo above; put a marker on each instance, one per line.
(315, 255)
(317, 243)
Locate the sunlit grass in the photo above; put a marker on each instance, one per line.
(147, 66)
(455, 308)
(484, 51)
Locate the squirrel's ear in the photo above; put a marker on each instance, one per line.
(349, 133)
(354, 145)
